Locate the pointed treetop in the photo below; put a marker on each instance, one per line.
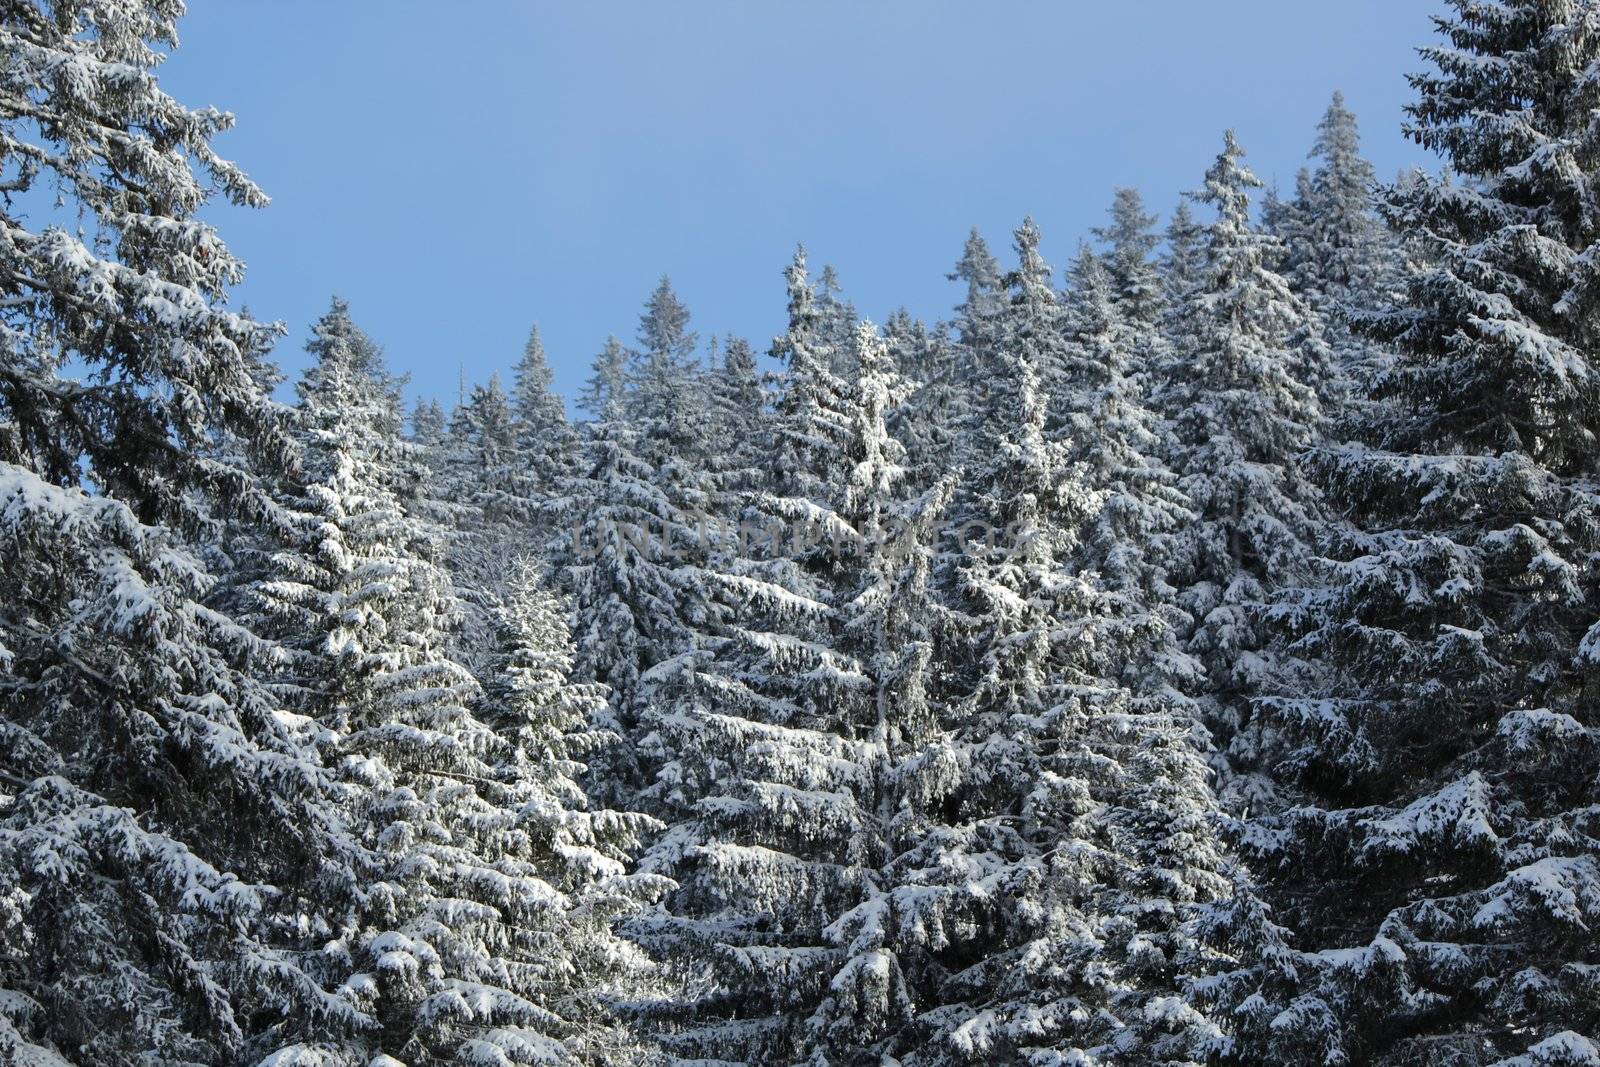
(1337, 136)
(1032, 270)
(1228, 185)
(1131, 233)
(606, 390)
(533, 399)
(664, 333)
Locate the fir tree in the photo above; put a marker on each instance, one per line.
(1032, 326)
(606, 391)
(1343, 262)
(779, 784)
(443, 951)
(641, 535)
(975, 327)
(1056, 886)
(1444, 858)
(1241, 413)
(545, 441)
(156, 809)
(1182, 263)
(1131, 540)
(1130, 242)
(809, 418)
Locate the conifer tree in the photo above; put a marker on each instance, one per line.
(642, 530)
(1343, 262)
(1182, 263)
(1131, 540)
(1241, 413)
(926, 369)
(976, 321)
(545, 441)
(837, 322)
(1033, 323)
(1057, 890)
(739, 405)
(443, 951)
(428, 424)
(1131, 241)
(1444, 860)
(155, 806)
(809, 419)
(605, 392)
(780, 783)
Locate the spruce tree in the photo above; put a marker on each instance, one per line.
(1444, 859)
(606, 389)
(545, 441)
(1344, 263)
(1182, 263)
(642, 528)
(1132, 540)
(739, 412)
(1059, 892)
(1032, 326)
(975, 324)
(809, 419)
(156, 808)
(780, 785)
(1130, 242)
(1241, 413)
(443, 951)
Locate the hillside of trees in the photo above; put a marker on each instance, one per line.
(1188, 653)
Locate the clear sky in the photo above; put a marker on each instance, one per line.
(459, 171)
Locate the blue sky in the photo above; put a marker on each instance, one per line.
(460, 171)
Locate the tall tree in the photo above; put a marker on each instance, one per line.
(1057, 894)
(779, 783)
(665, 399)
(975, 324)
(155, 806)
(1130, 242)
(809, 416)
(642, 531)
(441, 952)
(1344, 262)
(545, 441)
(1182, 262)
(605, 393)
(1445, 857)
(1132, 541)
(1033, 322)
(1241, 413)
(739, 405)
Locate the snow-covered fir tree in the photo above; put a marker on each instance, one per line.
(974, 329)
(1132, 539)
(1443, 861)
(1343, 262)
(1131, 241)
(606, 388)
(470, 832)
(809, 415)
(781, 785)
(927, 366)
(1182, 263)
(156, 807)
(738, 403)
(546, 443)
(644, 524)
(1032, 326)
(1241, 413)
(1057, 892)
